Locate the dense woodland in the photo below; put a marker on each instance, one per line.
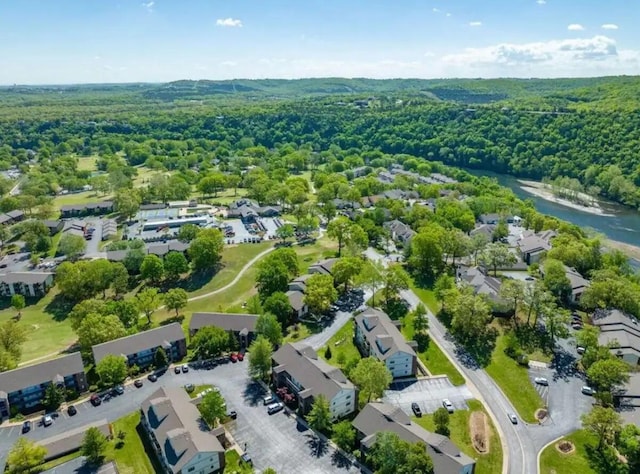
(585, 128)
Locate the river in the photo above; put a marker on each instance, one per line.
(623, 226)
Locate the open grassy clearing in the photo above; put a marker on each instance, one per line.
(427, 296)
(553, 461)
(78, 198)
(489, 463)
(87, 163)
(342, 346)
(133, 457)
(431, 355)
(514, 381)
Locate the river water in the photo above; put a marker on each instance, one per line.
(623, 226)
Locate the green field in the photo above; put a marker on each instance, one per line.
(87, 163)
(553, 461)
(233, 464)
(342, 343)
(490, 463)
(514, 381)
(132, 457)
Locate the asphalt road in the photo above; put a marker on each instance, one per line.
(522, 441)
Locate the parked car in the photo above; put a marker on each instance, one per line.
(232, 414)
(246, 459)
(119, 389)
(274, 408)
(47, 420)
(106, 397)
(576, 325)
(240, 356)
(541, 381)
(588, 390)
(95, 400)
(580, 350)
(448, 405)
(176, 369)
(268, 400)
(189, 387)
(233, 357)
(152, 378)
(71, 410)
(512, 418)
(26, 426)
(185, 368)
(138, 383)
(416, 409)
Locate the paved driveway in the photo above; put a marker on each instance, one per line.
(272, 441)
(428, 393)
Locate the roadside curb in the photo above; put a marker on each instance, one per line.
(545, 447)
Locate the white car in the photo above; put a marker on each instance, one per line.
(448, 405)
(541, 381)
(47, 420)
(512, 418)
(588, 390)
(274, 408)
(268, 400)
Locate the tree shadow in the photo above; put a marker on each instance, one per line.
(59, 308)
(564, 365)
(396, 308)
(253, 394)
(196, 280)
(173, 319)
(339, 460)
(318, 446)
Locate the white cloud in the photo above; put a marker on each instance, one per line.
(436, 10)
(571, 57)
(475, 23)
(228, 63)
(149, 6)
(575, 27)
(448, 14)
(609, 26)
(230, 22)
(541, 2)
(429, 54)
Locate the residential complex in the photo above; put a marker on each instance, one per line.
(22, 389)
(297, 367)
(621, 331)
(378, 336)
(182, 444)
(243, 326)
(381, 417)
(139, 349)
(30, 284)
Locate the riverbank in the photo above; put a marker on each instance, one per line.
(632, 251)
(543, 191)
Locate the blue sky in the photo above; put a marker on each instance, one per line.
(79, 41)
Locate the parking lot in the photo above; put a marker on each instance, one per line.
(428, 393)
(276, 441)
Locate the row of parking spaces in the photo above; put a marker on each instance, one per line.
(427, 393)
(157, 213)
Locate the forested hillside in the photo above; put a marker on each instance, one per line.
(583, 128)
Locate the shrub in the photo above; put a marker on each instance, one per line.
(327, 353)
(523, 360)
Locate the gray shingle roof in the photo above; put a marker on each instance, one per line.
(380, 417)
(226, 321)
(174, 421)
(71, 440)
(324, 266)
(138, 342)
(23, 377)
(383, 336)
(25, 277)
(296, 299)
(301, 362)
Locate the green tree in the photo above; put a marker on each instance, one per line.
(53, 397)
(629, 446)
(391, 455)
(319, 417)
(278, 305)
(346, 270)
(152, 268)
(210, 342)
(126, 311)
(84, 308)
(347, 234)
(478, 243)
(513, 292)
(441, 420)
(127, 203)
(396, 280)
(609, 373)
(12, 336)
(272, 277)
(320, 293)
(470, 317)
(344, 435)
(175, 264)
(285, 231)
(497, 255)
(260, 358)
(176, 299)
(18, 303)
(427, 252)
(268, 326)
(133, 260)
(112, 370)
(94, 446)
(160, 358)
(501, 231)
(188, 232)
(25, 456)
(206, 249)
(604, 423)
(420, 319)
(97, 328)
(73, 246)
(556, 280)
(371, 277)
(213, 408)
(148, 301)
(372, 377)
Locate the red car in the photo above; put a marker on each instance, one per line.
(233, 357)
(240, 356)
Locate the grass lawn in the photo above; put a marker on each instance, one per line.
(198, 389)
(55, 240)
(78, 198)
(87, 163)
(302, 333)
(342, 343)
(132, 457)
(234, 465)
(553, 461)
(489, 463)
(427, 296)
(309, 254)
(514, 382)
